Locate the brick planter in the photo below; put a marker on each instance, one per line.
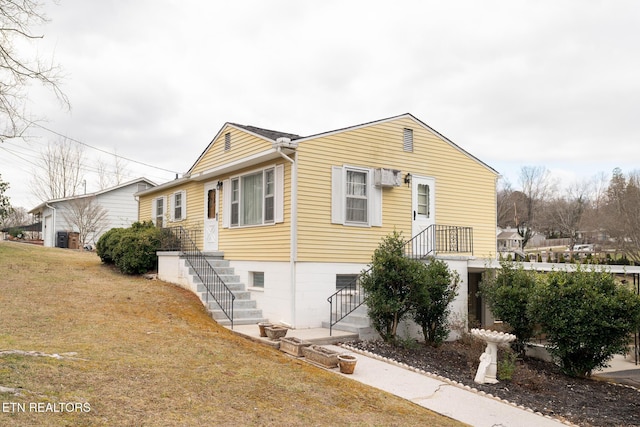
(275, 332)
(293, 346)
(320, 355)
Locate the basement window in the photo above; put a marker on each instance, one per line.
(346, 281)
(257, 279)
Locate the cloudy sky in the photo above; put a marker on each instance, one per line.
(515, 83)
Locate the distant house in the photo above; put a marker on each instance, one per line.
(296, 218)
(117, 206)
(509, 241)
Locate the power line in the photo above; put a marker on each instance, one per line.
(101, 150)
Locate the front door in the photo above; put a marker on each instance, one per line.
(211, 217)
(423, 213)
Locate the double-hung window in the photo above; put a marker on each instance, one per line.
(252, 198)
(357, 197)
(355, 200)
(158, 211)
(179, 203)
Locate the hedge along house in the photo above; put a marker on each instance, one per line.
(299, 217)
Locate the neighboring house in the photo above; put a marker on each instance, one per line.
(509, 241)
(117, 205)
(298, 217)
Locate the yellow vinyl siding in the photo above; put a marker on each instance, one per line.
(269, 242)
(194, 220)
(243, 145)
(465, 190)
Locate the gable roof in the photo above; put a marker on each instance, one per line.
(272, 136)
(266, 134)
(97, 193)
(409, 116)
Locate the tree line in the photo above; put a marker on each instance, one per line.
(599, 210)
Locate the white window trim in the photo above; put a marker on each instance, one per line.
(154, 207)
(278, 198)
(183, 207)
(339, 197)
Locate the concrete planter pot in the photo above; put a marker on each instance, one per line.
(293, 346)
(347, 363)
(275, 332)
(320, 355)
(262, 326)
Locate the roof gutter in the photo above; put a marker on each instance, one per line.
(293, 243)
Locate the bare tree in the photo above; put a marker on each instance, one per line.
(537, 188)
(18, 71)
(566, 212)
(17, 216)
(109, 177)
(5, 205)
(505, 204)
(59, 172)
(86, 216)
(622, 219)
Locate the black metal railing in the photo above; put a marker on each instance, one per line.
(440, 239)
(179, 239)
(347, 299)
(431, 241)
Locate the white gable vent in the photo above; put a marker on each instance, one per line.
(386, 177)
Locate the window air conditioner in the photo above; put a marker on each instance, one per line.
(387, 177)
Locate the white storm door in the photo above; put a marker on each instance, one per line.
(423, 214)
(211, 203)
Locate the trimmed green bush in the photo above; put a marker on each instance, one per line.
(106, 243)
(397, 286)
(389, 285)
(432, 301)
(586, 317)
(132, 250)
(507, 292)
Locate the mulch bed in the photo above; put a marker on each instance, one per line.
(535, 384)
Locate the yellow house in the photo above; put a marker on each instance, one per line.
(297, 218)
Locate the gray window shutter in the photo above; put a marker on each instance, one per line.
(226, 203)
(375, 202)
(279, 201)
(337, 195)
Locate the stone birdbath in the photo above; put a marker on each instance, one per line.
(488, 368)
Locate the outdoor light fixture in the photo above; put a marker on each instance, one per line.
(407, 179)
(219, 185)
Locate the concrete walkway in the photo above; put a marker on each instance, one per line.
(438, 394)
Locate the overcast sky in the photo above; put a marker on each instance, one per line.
(515, 83)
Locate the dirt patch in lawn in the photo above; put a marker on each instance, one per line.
(144, 352)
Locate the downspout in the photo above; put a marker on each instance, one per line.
(293, 243)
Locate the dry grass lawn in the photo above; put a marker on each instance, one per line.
(147, 354)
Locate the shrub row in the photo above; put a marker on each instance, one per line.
(585, 315)
(132, 250)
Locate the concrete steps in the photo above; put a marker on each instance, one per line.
(245, 311)
(357, 322)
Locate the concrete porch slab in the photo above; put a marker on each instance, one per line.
(319, 336)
